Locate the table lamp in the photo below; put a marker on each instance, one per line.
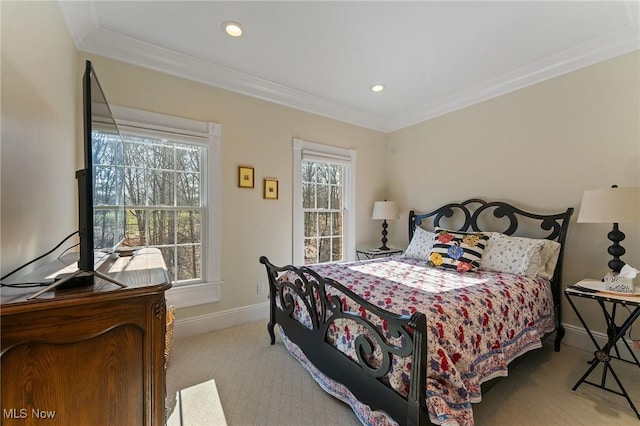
(612, 205)
(384, 210)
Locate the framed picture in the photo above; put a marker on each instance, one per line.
(245, 177)
(270, 189)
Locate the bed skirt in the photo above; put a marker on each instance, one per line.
(362, 411)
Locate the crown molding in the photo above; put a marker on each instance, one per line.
(615, 44)
(92, 39)
(81, 19)
(133, 51)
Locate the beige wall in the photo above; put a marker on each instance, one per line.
(258, 134)
(39, 77)
(539, 147)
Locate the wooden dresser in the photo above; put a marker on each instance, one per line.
(87, 356)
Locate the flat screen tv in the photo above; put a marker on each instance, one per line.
(101, 211)
(103, 174)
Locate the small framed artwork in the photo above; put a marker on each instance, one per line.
(270, 189)
(245, 177)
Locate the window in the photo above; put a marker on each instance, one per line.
(322, 189)
(164, 201)
(172, 198)
(324, 214)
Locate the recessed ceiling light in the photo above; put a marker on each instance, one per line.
(377, 87)
(232, 28)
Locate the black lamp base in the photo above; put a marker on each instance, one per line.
(615, 249)
(384, 236)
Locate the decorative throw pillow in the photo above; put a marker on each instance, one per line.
(459, 251)
(420, 245)
(512, 255)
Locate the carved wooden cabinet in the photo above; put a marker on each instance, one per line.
(88, 356)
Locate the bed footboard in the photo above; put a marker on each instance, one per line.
(321, 304)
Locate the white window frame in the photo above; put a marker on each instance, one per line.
(310, 151)
(209, 134)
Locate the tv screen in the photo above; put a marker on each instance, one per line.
(107, 153)
(101, 182)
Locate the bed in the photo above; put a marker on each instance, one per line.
(411, 340)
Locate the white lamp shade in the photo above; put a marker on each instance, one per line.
(385, 210)
(611, 205)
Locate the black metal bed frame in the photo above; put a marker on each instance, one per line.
(364, 380)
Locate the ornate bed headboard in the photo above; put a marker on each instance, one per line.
(497, 216)
(475, 215)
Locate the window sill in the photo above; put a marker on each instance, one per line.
(194, 294)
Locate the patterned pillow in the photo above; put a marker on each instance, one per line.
(459, 251)
(539, 256)
(512, 255)
(420, 245)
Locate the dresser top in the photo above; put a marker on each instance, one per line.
(142, 273)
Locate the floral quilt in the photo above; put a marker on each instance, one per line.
(477, 323)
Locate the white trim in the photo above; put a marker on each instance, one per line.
(605, 48)
(203, 133)
(342, 156)
(206, 323)
(130, 50)
(298, 221)
(577, 337)
(85, 28)
(164, 123)
(81, 19)
(193, 326)
(325, 153)
(214, 204)
(194, 294)
(350, 244)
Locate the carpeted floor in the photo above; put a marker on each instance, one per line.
(260, 384)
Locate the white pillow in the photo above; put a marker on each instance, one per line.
(550, 253)
(420, 245)
(512, 255)
(539, 262)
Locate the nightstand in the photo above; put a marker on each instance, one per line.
(372, 253)
(608, 303)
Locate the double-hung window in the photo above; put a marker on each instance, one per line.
(164, 201)
(172, 198)
(324, 208)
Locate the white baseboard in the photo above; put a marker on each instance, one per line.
(201, 324)
(577, 337)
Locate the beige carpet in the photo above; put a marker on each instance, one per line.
(260, 384)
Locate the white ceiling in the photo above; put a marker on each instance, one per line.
(433, 56)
